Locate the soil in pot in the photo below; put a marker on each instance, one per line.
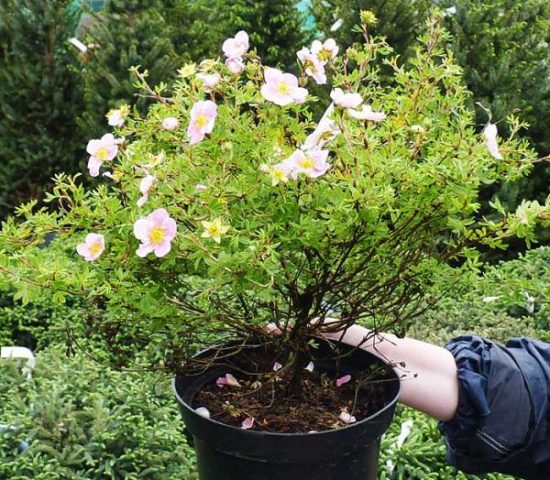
(329, 397)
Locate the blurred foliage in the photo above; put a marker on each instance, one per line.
(422, 456)
(502, 46)
(84, 421)
(277, 29)
(124, 34)
(400, 21)
(511, 299)
(40, 98)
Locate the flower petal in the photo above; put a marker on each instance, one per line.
(248, 423)
(343, 380)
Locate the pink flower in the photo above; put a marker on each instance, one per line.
(366, 113)
(343, 380)
(325, 131)
(345, 100)
(92, 248)
(248, 423)
(235, 65)
(101, 150)
(490, 133)
(144, 186)
(324, 52)
(236, 46)
(347, 418)
(203, 115)
(282, 88)
(312, 66)
(277, 366)
(281, 172)
(210, 80)
(155, 232)
(312, 163)
(170, 123)
(116, 117)
(228, 380)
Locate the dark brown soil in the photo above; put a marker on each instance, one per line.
(265, 397)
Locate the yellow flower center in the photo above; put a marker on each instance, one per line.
(201, 121)
(279, 174)
(283, 88)
(309, 64)
(307, 163)
(156, 235)
(324, 55)
(95, 248)
(214, 230)
(102, 153)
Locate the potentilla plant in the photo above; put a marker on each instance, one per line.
(229, 208)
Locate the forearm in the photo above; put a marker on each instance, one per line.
(429, 376)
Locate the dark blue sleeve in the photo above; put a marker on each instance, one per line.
(503, 419)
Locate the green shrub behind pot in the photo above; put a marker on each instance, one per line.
(84, 421)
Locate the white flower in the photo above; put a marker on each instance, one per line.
(326, 130)
(236, 46)
(144, 186)
(366, 113)
(170, 123)
(235, 65)
(490, 133)
(203, 412)
(210, 80)
(347, 417)
(312, 66)
(345, 99)
(115, 118)
(324, 52)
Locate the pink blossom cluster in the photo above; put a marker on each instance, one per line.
(314, 59)
(157, 230)
(235, 49)
(311, 163)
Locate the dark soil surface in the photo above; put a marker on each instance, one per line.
(264, 396)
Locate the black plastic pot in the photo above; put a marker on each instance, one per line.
(225, 452)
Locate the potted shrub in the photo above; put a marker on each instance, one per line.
(231, 222)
